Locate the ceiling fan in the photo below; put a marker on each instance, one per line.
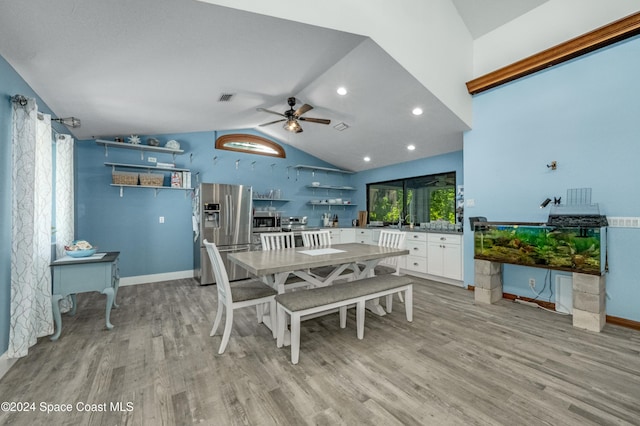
(291, 117)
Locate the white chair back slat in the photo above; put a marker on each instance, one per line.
(320, 238)
(276, 240)
(219, 271)
(391, 239)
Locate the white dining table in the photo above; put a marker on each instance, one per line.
(275, 266)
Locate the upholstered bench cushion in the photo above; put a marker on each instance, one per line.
(302, 300)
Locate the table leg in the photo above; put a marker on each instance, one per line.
(109, 293)
(55, 305)
(74, 304)
(115, 291)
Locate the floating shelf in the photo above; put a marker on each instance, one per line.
(156, 188)
(322, 169)
(338, 188)
(279, 200)
(139, 147)
(141, 166)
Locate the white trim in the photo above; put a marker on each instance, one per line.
(5, 364)
(153, 278)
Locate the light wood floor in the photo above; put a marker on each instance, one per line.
(457, 363)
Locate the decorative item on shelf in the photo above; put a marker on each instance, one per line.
(118, 139)
(172, 144)
(153, 142)
(124, 178)
(134, 139)
(315, 183)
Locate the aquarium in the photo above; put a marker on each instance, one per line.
(574, 249)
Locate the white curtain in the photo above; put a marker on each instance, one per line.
(64, 193)
(31, 315)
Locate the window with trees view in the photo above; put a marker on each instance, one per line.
(415, 200)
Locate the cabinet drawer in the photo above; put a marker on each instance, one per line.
(416, 263)
(417, 248)
(445, 238)
(416, 236)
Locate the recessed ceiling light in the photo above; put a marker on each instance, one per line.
(341, 91)
(411, 147)
(417, 111)
(367, 159)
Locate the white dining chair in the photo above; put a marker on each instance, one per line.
(276, 240)
(239, 295)
(390, 265)
(321, 238)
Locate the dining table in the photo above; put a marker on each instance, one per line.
(275, 266)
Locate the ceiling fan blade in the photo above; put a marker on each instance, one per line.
(270, 112)
(272, 122)
(304, 108)
(315, 120)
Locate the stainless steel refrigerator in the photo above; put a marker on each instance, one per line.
(223, 214)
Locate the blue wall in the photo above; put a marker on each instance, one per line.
(582, 114)
(130, 224)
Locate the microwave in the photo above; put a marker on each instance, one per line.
(266, 222)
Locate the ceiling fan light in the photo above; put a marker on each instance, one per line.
(292, 126)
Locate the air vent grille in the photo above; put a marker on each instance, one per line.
(225, 97)
(341, 126)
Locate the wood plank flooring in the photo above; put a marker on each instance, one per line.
(457, 364)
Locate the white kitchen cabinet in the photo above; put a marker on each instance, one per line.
(363, 236)
(347, 235)
(416, 243)
(445, 255)
(335, 236)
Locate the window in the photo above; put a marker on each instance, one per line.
(250, 144)
(415, 200)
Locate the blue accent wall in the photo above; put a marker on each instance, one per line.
(130, 224)
(584, 115)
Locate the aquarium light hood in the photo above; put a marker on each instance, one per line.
(578, 212)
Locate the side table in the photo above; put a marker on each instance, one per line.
(81, 275)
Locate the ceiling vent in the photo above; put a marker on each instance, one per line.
(225, 97)
(341, 126)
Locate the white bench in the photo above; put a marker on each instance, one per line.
(307, 302)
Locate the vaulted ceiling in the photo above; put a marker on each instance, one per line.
(153, 67)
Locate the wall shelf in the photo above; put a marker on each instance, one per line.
(144, 167)
(140, 147)
(155, 188)
(338, 188)
(322, 169)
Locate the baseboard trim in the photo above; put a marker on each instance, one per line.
(154, 278)
(623, 322)
(5, 364)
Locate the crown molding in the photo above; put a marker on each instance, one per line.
(604, 36)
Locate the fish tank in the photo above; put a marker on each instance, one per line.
(573, 249)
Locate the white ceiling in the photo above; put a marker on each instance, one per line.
(159, 66)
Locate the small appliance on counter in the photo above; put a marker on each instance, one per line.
(297, 224)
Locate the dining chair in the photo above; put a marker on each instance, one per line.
(316, 238)
(390, 265)
(239, 295)
(276, 240)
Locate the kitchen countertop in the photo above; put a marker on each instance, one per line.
(404, 229)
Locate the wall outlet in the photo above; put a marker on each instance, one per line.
(152, 159)
(532, 282)
(161, 219)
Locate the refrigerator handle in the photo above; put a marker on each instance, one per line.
(227, 212)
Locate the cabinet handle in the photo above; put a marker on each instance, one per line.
(415, 263)
(443, 238)
(415, 236)
(415, 248)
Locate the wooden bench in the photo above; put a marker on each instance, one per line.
(307, 302)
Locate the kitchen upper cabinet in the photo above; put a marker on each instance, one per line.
(445, 255)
